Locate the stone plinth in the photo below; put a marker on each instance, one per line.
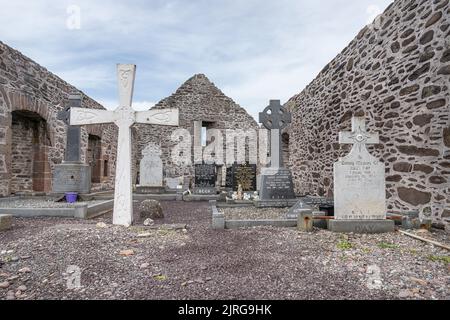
(72, 177)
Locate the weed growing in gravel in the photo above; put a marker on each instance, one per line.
(385, 245)
(344, 244)
(160, 277)
(443, 259)
(366, 250)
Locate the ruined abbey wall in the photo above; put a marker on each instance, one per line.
(198, 99)
(396, 71)
(34, 141)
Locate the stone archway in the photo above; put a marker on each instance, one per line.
(94, 157)
(30, 142)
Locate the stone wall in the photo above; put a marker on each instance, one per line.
(197, 100)
(25, 86)
(396, 71)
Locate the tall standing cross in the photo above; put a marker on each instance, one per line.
(124, 117)
(275, 118)
(359, 137)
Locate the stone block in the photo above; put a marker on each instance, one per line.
(361, 226)
(72, 177)
(5, 221)
(305, 220)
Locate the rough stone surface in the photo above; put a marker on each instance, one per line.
(150, 209)
(403, 87)
(32, 139)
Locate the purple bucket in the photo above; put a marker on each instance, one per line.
(71, 197)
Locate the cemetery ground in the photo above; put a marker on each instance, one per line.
(181, 257)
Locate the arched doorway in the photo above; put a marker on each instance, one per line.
(30, 169)
(94, 154)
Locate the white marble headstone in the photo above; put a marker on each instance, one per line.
(151, 167)
(359, 178)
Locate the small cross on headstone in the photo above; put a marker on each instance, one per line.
(275, 118)
(124, 117)
(359, 137)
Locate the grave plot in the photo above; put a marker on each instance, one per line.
(49, 207)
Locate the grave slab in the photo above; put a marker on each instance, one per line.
(361, 226)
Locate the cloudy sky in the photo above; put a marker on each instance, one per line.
(253, 50)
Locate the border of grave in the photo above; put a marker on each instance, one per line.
(219, 221)
(201, 197)
(276, 203)
(78, 211)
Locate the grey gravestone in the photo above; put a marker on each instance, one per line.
(276, 181)
(359, 186)
(151, 171)
(72, 175)
(205, 179)
(244, 175)
(299, 207)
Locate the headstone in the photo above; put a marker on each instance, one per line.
(72, 175)
(205, 179)
(276, 181)
(124, 117)
(151, 171)
(244, 175)
(229, 178)
(298, 208)
(359, 185)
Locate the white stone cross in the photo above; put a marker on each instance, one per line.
(359, 137)
(124, 117)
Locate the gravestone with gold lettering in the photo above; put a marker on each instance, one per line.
(359, 186)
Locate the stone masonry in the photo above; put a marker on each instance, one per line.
(198, 99)
(32, 140)
(397, 72)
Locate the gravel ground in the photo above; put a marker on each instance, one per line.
(196, 262)
(36, 203)
(251, 213)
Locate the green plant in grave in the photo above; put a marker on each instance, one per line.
(443, 259)
(344, 244)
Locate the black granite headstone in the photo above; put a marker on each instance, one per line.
(229, 178)
(244, 175)
(205, 179)
(277, 185)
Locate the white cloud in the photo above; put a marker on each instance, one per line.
(253, 50)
